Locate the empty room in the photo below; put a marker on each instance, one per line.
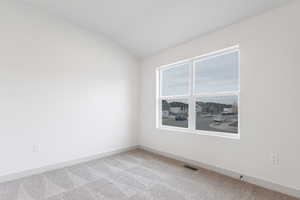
(149, 100)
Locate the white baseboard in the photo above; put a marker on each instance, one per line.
(253, 180)
(26, 173)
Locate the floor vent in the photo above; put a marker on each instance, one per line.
(190, 167)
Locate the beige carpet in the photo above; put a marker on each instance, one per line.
(135, 175)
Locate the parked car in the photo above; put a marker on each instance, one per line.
(219, 119)
(180, 117)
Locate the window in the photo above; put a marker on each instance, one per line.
(201, 95)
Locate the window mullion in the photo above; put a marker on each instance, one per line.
(192, 113)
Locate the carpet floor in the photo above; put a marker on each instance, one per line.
(134, 175)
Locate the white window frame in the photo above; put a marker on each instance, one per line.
(192, 95)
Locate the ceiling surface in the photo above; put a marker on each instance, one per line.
(146, 27)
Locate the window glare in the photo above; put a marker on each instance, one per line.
(217, 74)
(175, 81)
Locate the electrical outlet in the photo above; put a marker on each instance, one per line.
(274, 158)
(35, 148)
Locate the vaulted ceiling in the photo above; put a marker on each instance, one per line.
(146, 27)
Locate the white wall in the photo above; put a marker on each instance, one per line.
(69, 91)
(270, 98)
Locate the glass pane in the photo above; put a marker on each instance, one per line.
(175, 81)
(175, 113)
(217, 74)
(217, 114)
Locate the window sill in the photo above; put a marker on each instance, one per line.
(205, 133)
